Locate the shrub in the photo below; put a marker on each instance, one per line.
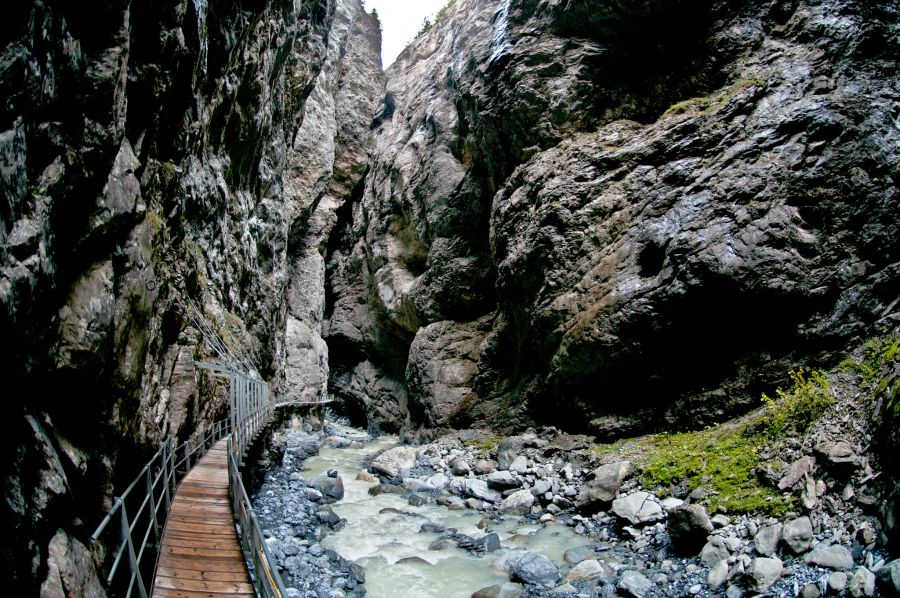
(794, 410)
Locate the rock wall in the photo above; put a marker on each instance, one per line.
(153, 156)
(616, 216)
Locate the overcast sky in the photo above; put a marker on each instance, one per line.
(401, 20)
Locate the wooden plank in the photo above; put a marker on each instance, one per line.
(197, 564)
(167, 571)
(200, 554)
(200, 585)
(168, 593)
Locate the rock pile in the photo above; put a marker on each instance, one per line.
(294, 515)
(642, 544)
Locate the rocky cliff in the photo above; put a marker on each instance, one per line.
(156, 156)
(614, 216)
(604, 216)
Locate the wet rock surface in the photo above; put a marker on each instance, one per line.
(153, 156)
(551, 233)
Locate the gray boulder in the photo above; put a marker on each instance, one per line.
(837, 582)
(714, 551)
(474, 488)
(634, 584)
(332, 489)
(767, 538)
(689, 526)
(830, 556)
(533, 568)
(763, 572)
(638, 508)
(502, 480)
(517, 503)
(579, 553)
(798, 534)
(837, 453)
(862, 583)
(889, 576)
(602, 484)
(392, 461)
(519, 464)
(508, 449)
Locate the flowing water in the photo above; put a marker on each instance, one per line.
(396, 558)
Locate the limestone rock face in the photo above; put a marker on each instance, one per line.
(152, 156)
(638, 232)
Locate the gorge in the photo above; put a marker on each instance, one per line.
(594, 218)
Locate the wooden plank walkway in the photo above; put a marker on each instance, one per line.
(200, 554)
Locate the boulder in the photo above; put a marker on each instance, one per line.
(830, 556)
(714, 551)
(502, 480)
(763, 572)
(798, 534)
(332, 488)
(460, 467)
(519, 465)
(484, 466)
(796, 472)
(767, 538)
(507, 590)
(587, 569)
(508, 449)
(634, 584)
(602, 484)
(475, 488)
(689, 526)
(392, 461)
(837, 582)
(889, 576)
(638, 508)
(575, 555)
(517, 503)
(533, 568)
(838, 454)
(718, 575)
(862, 583)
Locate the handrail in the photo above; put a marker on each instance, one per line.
(250, 410)
(266, 581)
(143, 529)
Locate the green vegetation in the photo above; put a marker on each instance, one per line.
(879, 369)
(796, 409)
(709, 104)
(486, 445)
(428, 24)
(725, 459)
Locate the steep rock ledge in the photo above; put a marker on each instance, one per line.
(615, 217)
(148, 161)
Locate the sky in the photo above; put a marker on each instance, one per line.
(401, 20)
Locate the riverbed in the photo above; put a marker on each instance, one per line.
(382, 533)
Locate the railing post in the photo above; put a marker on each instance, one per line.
(149, 479)
(132, 557)
(167, 455)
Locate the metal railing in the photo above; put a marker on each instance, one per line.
(149, 497)
(142, 509)
(266, 581)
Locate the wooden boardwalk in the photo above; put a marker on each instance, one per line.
(200, 554)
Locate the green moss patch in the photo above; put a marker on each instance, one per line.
(486, 445)
(725, 460)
